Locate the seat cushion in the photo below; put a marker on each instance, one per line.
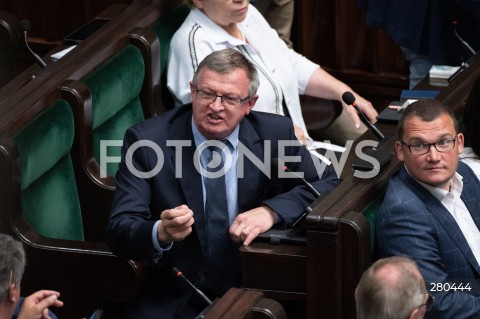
(116, 105)
(50, 201)
(165, 28)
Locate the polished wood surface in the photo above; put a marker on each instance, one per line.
(322, 275)
(239, 303)
(338, 247)
(86, 272)
(289, 262)
(52, 20)
(333, 33)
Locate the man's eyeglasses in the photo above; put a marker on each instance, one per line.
(428, 303)
(423, 148)
(210, 97)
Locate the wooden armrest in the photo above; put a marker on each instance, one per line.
(87, 274)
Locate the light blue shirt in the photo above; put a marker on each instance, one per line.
(230, 182)
(231, 174)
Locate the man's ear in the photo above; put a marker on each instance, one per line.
(415, 314)
(13, 293)
(198, 3)
(251, 104)
(460, 142)
(399, 150)
(192, 89)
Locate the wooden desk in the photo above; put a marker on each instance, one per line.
(338, 246)
(278, 270)
(239, 303)
(21, 69)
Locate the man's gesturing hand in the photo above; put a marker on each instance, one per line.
(176, 224)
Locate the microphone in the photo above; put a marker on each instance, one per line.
(275, 163)
(25, 27)
(464, 43)
(179, 274)
(349, 99)
(381, 157)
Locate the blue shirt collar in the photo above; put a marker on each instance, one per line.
(199, 138)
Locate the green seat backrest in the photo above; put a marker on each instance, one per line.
(165, 27)
(50, 201)
(370, 212)
(116, 105)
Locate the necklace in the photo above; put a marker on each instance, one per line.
(242, 36)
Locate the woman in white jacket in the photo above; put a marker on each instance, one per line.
(284, 74)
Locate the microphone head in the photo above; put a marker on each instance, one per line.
(176, 271)
(24, 25)
(348, 98)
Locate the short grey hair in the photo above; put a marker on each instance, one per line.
(377, 298)
(12, 263)
(226, 61)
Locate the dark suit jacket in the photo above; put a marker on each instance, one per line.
(425, 26)
(412, 222)
(138, 202)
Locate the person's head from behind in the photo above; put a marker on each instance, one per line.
(223, 89)
(222, 12)
(429, 142)
(471, 118)
(392, 288)
(12, 266)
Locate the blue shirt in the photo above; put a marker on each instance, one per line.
(230, 181)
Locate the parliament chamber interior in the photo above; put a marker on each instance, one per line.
(56, 202)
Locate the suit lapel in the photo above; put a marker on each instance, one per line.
(444, 218)
(247, 186)
(190, 181)
(471, 186)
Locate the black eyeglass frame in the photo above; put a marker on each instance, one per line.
(454, 140)
(429, 303)
(214, 96)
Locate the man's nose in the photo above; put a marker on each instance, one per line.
(216, 104)
(433, 154)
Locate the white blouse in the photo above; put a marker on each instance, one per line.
(284, 74)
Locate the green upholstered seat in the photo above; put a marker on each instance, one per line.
(370, 212)
(165, 27)
(49, 195)
(115, 88)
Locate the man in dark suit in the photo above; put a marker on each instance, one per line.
(431, 210)
(163, 212)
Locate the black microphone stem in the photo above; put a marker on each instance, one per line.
(374, 129)
(310, 186)
(463, 43)
(178, 273)
(25, 27)
(349, 99)
(35, 56)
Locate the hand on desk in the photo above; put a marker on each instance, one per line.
(176, 224)
(248, 225)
